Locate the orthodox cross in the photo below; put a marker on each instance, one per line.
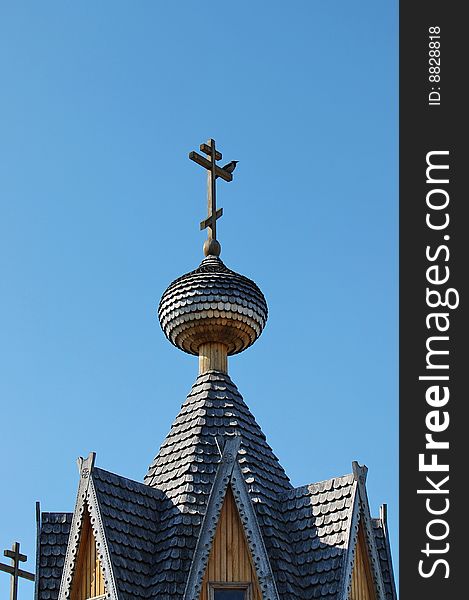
(14, 569)
(213, 171)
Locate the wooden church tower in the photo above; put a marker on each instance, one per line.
(216, 517)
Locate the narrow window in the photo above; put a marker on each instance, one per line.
(227, 594)
(229, 591)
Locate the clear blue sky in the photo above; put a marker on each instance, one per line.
(100, 103)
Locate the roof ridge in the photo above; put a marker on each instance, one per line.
(345, 479)
(141, 486)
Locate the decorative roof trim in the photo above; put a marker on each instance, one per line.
(101, 543)
(86, 497)
(361, 513)
(84, 466)
(370, 537)
(211, 518)
(351, 543)
(229, 472)
(383, 517)
(254, 537)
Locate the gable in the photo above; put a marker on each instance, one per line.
(363, 587)
(88, 580)
(230, 559)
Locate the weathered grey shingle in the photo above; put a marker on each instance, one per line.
(317, 518)
(53, 538)
(383, 548)
(218, 296)
(130, 515)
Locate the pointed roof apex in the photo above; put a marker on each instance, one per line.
(359, 472)
(213, 411)
(85, 465)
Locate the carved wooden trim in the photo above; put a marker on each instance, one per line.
(86, 500)
(351, 544)
(102, 549)
(370, 539)
(361, 514)
(212, 515)
(84, 467)
(253, 534)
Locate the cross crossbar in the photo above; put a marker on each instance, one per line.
(208, 150)
(13, 570)
(203, 162)
(212, 245)
(206, 222)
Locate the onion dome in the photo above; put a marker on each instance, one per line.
(212, 304)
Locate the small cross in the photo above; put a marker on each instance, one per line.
(14, 570)
(213, 172)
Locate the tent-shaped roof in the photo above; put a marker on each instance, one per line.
(150, 533)
(186, 464)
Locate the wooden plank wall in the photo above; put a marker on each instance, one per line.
(362, 578)
(88, 579)
(230, 559)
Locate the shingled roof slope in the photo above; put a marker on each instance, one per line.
(384, 552)
(130, 515)
(185, 467)
(318, 519)
(52, 547)
(148, 539)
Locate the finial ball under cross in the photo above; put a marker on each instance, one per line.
(212, 245)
